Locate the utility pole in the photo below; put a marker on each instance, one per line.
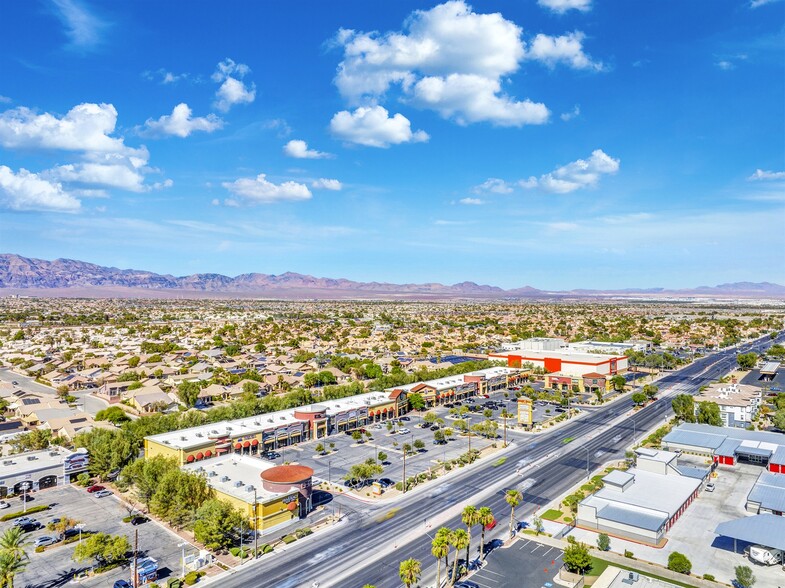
(255, 527)
(404, 471)
(136, 556)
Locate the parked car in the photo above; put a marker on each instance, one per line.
(44, 541)
(14, 383)
(4, 504)
(103, 493)
(435, 428)
(25, 497)
(30, 527)
(122, 584)
(24, 521)
(405, 418)
(95, 488)
(139, 520)
(710, 487)
(439, 442)
(386, 482)
(404, 431)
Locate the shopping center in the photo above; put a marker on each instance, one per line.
(265, 432)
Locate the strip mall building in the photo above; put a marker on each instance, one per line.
(264, 432)
(566, 370)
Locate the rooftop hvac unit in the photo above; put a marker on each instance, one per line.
(224, 478)
(199, 435)
(211, 474)
(32, 457)
(633, 576)
(183, 438)
(238, 483)
(249, 488)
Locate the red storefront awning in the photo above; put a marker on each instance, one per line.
(246, 444)
(189, 459)
(238, 445)
(255, 442)
(208, 453)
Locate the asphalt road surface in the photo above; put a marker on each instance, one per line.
(368, 546)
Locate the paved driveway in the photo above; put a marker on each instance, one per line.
(525, 564)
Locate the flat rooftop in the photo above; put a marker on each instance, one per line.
(237, 476)
(21, 463)
(566, 356)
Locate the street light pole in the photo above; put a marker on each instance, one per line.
(182, 560)
(255, 527)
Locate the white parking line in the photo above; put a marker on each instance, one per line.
(547, 552)
(492, 572)
(484, 579)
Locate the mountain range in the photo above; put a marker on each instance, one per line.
(64, 277)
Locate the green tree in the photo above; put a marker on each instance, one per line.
(10, 566)
(419, 444)
(513, 498)
(382, 456)
(12, 542)
(188, 392)
(678, 562)
(576, 556)
(460, 540)
(61, 526)
(416, 401)
(744, 577)
(104, 549)
(364, 471)
(33, 441)
(639, 398)
(485, 517)
(109, 450)
(618, 382)
(709, 414)
(216, 524)
(470, 517)
(357, 435)
(603, 542)
(650, 390)
(145, 474)
(440, 548)
(133, 362)
(409, 571)
(747, 361)
(429, 418)
(779, 419)
(684, 408)
(113, 414)
(438, 436)
(251, 388)
(179, 495)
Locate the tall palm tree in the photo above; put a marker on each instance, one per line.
(513, 498)
(445, 533)
(460, 540)
(409, 571)
(440, 547)
(469, 516)
(10, 566)
(13, 542)
(485, 518)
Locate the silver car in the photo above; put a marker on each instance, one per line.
(44, 541)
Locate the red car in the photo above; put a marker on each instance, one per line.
(95, 488)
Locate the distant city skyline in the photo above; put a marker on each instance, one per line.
(560, 144)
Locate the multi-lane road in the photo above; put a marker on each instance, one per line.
(85, 401)
(366, 547)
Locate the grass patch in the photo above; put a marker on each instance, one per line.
(499, 462)
(551, 515)
(31, 510)
(598, 566)
(567, 440)
(387, 516)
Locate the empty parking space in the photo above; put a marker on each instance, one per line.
(525, 564)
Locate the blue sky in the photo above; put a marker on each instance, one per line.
(556, 143)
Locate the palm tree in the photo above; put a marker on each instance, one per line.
(460, 540)
(440, 547)
(513, 498)
(409, 571)
(12, 543)
(10, 566)
(485, 518)
(445, 534)
(469, 516)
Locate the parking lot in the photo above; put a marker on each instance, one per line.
(55, 566)
(347, 452)
(525, 564)
(693, 534)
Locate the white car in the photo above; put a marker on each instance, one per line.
(404, 431)
(4, 504)
(44, 541)
(103, 493)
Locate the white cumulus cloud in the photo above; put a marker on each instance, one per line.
(766, 175)
(326, 184)
(493, 185)
(232, 90)
(260, 190)
(583, 173)
(29, 191)
(449, 59)
(471, 201)
(566, 49)
(83, 28)
(299, 150)
(181, 124)
(567, 116)
(374, 127)
(562, 6)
